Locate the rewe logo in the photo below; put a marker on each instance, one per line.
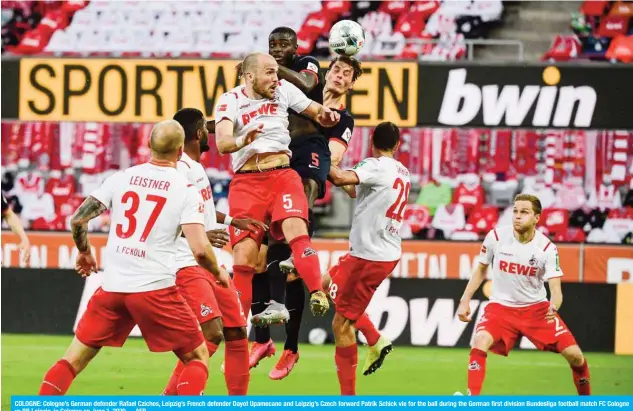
(510, 104)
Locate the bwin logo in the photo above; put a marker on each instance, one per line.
(462, 102)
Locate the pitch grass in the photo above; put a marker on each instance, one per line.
(407, 371)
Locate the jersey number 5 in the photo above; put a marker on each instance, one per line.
(396, 210)
(132, 197)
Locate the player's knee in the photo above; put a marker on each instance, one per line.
(574, 356)
(483, 341)
(79, 355)
(294, 227)
(235, 333)
(246, 253)
(212, 331)
(200, 353)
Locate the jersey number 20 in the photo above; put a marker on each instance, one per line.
(396, 210)
(132, 197)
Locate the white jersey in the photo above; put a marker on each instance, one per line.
(381, 199)
(149, 203)
(247, 114)
(519, 271)
(195, 174)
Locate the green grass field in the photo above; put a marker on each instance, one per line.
(134, 370)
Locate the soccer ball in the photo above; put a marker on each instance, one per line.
(347, 38)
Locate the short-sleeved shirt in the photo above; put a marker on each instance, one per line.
(381, 200)
(519, 271)
(149, 205)
(247, 114)
(342, 131)
(195, 174)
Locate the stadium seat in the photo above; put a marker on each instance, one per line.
(621, 49)
(563, 48)
(594, 7)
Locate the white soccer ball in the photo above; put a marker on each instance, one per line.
(317, 336)
(347, 38)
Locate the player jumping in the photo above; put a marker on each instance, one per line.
(151, 204)
(339, 80)
(375, 244)
(251, 122)
(218, 309)
(523, 259)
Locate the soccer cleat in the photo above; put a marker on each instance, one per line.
(275, 313)
(319, 303)
(288, 266)
(376, 355)
(285, 364)
(259, 352)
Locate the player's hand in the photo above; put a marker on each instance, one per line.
(86, 264)
(249, 224)
(551, 313)
(252, 135)
(218, 238)
(463, 311)
(223, 277)
(327, 117)
(25, 248)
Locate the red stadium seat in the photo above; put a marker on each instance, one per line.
(594, 8)
(613, 26)
(621, 49)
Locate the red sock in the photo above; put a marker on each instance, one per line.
(58, 379)
(193, 378)
(365, 326)
(346, 359)
(236, 370)
(307, 262)
(172, 385)
(243, 280)
(581, 379)
(476, 370)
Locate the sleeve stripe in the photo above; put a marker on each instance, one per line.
(495, 233)
(545, 249)
(316, 77)
(184, 162)
(189, 185)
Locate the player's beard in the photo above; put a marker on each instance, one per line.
(260, 88)
(204, 146)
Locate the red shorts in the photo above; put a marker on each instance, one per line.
(267, 196)
(208, 299)
(507, 324)
(354, 282)
(165, 320)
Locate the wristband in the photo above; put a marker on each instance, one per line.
(228, 219)
(239, 142)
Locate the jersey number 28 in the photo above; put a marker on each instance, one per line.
(131, 196)
(396, 211)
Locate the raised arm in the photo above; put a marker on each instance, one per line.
(476, 278)
(304, 81)
(321, 114)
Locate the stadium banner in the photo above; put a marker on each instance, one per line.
(152, 90)
(525, 96)
(420, 259)
(407, 312)
(321, 402)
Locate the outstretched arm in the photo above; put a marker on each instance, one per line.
(89, 209)
(321, 114)
(227, 143)
(342, 177)
(16, 226)
(304, 81)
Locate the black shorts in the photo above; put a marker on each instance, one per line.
(311, 158)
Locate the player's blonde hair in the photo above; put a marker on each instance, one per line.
(536, 203)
